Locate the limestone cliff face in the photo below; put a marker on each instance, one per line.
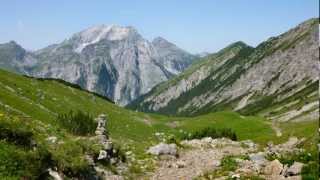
(111, 60)
(246, 79)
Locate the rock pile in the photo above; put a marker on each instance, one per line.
(163, 149)
(108, 153)
(258, 164)
(206, 154)
(275, 170)
(103, 139)
(287, 147)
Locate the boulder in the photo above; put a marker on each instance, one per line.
(102, 155)
(216, 163)
(163, 149)
(249, 143)
(258, 158)
(273, 168)
(295, 169)
(52, 139)
(235, 176)
(54, 174)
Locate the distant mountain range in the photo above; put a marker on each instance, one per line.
(113, 61)
(277, 79)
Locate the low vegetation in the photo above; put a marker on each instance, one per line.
(77, 122)
(211, 132)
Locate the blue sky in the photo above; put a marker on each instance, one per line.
(197, 26)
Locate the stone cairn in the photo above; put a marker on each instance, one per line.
(102, 136)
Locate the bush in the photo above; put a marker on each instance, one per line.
(211, 132)
(19, 137)
(228, 163)
(15, 162)
(78, 123)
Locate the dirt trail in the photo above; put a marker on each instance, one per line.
(195, 161)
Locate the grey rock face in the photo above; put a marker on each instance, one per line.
(171, 57)
(113, 61)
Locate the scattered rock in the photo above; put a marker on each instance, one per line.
(273, 168)
(52, 139)
(216, 163)
(285, 169)
(287, 147)
(249, 143)
(108, 175)
(102, 155)
(181, 164)
(295, 169)
(258, 158)
(163, 149)
(235, 176)
(54, 174)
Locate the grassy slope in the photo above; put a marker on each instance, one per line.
(43, 100)
(32, 105)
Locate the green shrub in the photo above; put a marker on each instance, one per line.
(310, 171)
(16, 136)
(211, 132)
(228, 163)
(18, 163)
(78, 123)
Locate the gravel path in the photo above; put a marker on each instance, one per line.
(195, 161)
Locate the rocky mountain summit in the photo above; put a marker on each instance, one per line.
(274, 79)
(113, 61)
(174, 59)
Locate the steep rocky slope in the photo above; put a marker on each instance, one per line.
(275, 79)
(111, 60)
(173, 59)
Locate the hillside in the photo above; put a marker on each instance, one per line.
(277, 79)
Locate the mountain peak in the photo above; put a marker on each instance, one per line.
(12, 45)
(160, 41)
(97, 33)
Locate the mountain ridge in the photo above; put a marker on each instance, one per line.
(266, 68)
